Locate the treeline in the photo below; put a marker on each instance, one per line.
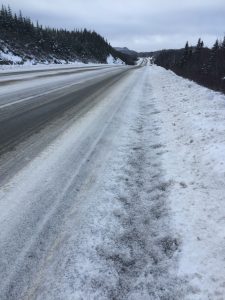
(203, 65)
(29, 40)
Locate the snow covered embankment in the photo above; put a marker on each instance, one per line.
(114, 61)
(192, 129)
(10, 60)
(32, 65)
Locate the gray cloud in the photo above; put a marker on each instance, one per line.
(141, 25)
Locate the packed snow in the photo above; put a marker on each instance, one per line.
(130, 199)
(139, 61)
(9, 56)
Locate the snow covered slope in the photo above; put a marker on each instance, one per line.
(114, 61)
(7, 55)
(11, 55)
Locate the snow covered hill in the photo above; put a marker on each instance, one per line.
(19, 56)
(22, 42)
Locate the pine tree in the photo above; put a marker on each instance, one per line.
(185, 56)
(18, 31)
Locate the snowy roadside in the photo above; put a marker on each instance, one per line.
(124, 249)
(40, 67)
(31, 66)
(191, 120)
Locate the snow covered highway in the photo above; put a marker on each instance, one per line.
(37, 73)
(111, 185)
(28, 106)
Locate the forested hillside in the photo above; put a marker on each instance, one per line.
(203, 65)
(22, 41)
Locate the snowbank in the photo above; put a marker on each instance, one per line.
(9, 56)
(33, 65)
(191, 122)
(114, 61)
(29, 65)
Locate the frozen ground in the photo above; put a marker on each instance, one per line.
(127, 202)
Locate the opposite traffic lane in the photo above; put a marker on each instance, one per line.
(25, 108)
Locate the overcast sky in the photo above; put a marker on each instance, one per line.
(142, 25)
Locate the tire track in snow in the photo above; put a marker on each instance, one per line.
(143, 251)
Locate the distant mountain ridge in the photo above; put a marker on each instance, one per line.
(21, 42)
(134, 53)
(126, 51)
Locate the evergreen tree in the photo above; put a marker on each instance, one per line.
(203, 65)
(19, 32)
(185, 56)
